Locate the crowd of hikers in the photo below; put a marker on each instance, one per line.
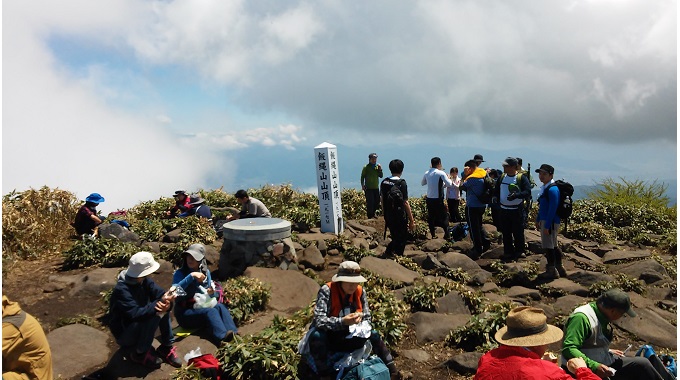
(341, 341)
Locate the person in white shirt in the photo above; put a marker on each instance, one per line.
(437, 211)
(453, 196)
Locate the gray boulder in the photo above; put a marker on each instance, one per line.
(465, 363)
(433, 327)
(452, 303)
(118, 232)
(616, 255)
(389, 269)
(76, 348)
(291, 290)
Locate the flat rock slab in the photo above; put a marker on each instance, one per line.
(418, 355)
(568, 287)
(433, 327)
(522, 292)
(650, 327)
(640, 269)
(464, 364)
(588, 278)
(625, 255)
(566, 305)
(291, 290)
(94, 282)
(588, 254)
(76, 348)
(389, 269)
(458, 260)
(358, 226)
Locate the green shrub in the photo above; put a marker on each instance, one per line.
(269, 354)
(408, 263)
(353, 253)
(388, 314)
(91, 251)
(455, 274)
(478, 333)
(522, 276)
(375, 281)
(636, 193)
(246, 296)
(423, 297)
(621, 281)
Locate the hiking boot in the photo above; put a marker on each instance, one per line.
(550, 273)
(147, 359)
(169, 355)
(561, 271)
(229, 337)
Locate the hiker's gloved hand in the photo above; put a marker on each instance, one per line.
(512, 196)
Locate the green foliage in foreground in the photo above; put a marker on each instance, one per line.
(245, 297)
(478, 333)
(91, 251)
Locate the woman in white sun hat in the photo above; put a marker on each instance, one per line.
(340, 304)
(194, 277)
(139, 307)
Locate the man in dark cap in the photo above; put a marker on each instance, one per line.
(588, 333)
(478, 158)
(511, 190)
(181, 204)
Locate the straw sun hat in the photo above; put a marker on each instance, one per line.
(527, 327)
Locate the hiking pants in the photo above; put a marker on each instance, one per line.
(513, 231)
(437, 215)
(217, 319)
(454, 213)
(372, 201)
(322, 350)
(399, 235)
(634, 368)
(139, 334)
(477, 232)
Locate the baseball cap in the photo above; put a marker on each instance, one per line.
(510, 161)
(617, 299)
(546, 168)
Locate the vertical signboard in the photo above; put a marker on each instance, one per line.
(328, 183)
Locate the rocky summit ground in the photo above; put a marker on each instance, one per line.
(56, 297)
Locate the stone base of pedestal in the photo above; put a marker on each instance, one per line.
(263, 242)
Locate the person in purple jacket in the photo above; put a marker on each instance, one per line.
(548, 223)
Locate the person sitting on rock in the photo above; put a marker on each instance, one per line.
(25, 351)
(87, 219)
(250, 207)
(194, 277)
(182, 204)
(138, 308)
(198, 208)
(588, 333)
(523, 342)
(340, 304)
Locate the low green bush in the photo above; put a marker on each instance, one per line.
(423, 297)
(478, 333)
(90, 251)
(523, 276)
(621, 281)
(245, 297)
(388, 314)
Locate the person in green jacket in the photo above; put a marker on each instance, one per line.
(588, 334)
(370, 184)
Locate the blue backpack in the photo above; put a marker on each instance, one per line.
(659, 362)
(372, 368)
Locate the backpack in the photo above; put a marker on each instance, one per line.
(458, 232)
(564, 205)
(208, 366)
(664, 364)
(394, 199)
(487, 193)
(372, 368)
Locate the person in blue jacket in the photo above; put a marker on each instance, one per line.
(473, 185)
(194, 277)
(139, 307)
(548, 223)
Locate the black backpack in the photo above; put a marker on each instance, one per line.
(564, 206)
(394, 200)
(487, 193)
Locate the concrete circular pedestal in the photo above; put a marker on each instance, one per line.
(256, 229)
(256, 241)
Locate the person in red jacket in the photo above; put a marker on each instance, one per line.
(523, 342)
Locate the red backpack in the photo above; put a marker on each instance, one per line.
(208, 365)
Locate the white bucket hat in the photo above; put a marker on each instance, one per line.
(142, 264)
(349, 271)
(197, 251)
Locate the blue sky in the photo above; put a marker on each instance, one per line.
(134, 99)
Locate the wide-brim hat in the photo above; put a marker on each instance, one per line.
(94, 198)
(196, 200)
(142, 264)
(197, 251)
(527, 327)
(349, 271)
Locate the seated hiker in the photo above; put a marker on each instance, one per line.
(588, 332)
(138, 308)
(250, 207)
(25, 351)
(523, 342)
(182, 204)
(342, 322)
(194, 278)
(198, 208)
(87, 219)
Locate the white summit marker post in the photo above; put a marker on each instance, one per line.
(328, 183)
